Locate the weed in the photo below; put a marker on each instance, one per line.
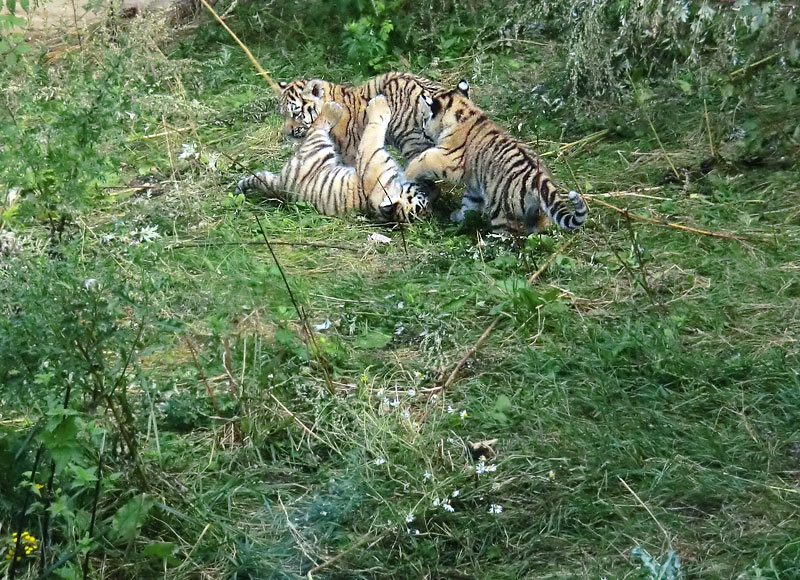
(164, 410)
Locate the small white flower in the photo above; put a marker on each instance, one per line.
(418, 374)
(436, 501)
(90, 283)
(379, 461)
(410, 518)
(495, 508)
(394, 403)
(380, 392)
(456, 493)
(450, 409)
(427, 475)
(406, 414)
(411, 392)
(551, 474)
(188, 150)
(464, 415)
(447, 507)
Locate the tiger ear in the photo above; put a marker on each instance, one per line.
(315, 88)
(463, 87)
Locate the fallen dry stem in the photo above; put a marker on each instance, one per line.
(363, 540)
(452, 377)
(249, 54)
(628, 213)
(588, 139)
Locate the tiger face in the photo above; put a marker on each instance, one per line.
(300, 102)
(444, 112)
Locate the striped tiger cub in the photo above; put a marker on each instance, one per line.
(301, 101)
(315, 173)
(505, 180)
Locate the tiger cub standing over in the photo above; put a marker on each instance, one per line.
(505, 180)
(375, 184)
(301, 101)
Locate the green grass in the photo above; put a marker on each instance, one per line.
(635, 402)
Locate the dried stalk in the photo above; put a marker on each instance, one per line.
(253, 60)
(452, 377)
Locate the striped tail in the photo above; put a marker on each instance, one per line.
(569, 220)
(263, 181)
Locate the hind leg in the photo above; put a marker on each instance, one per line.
(473, 200)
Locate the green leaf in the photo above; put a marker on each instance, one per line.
(163, 551)
(502, 404)
(60, 438)
(12, 6)
(130, 518)
(25, 4)
(455, 305)
(374, 339)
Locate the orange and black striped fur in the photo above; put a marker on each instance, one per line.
(505, 180)
(315, 173)
(301, 101)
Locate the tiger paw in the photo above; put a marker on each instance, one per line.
(331, 113)
(378, 109)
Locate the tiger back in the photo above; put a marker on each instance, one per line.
(505, 180)
(315, 173)
(301, 101)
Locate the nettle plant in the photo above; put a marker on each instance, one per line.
(69, 348)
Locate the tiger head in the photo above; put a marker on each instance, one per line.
(444, 112)
(300, 102)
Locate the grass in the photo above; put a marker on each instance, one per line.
(643, 392)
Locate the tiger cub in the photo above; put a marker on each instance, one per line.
(315, 173)
(301, 101)
(505, 180)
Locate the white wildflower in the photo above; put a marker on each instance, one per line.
(427, 475)
(495, 508)
(188, 150)
(379, 461)
(464, 415)
(410, 518)
(456, 493)
(447, 507)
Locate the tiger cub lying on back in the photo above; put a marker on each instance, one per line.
(506, 181)
(301, 101)
(315, 173)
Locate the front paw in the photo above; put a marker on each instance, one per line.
(457, 216)
(378, 109)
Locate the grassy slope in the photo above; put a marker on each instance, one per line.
(601, 401)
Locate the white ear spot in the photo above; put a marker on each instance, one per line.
(463, 86)
(573, 195)
(283, 85)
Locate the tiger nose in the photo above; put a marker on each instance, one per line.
(289, 126)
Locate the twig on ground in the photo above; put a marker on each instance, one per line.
(678, 226)
(644, 505)
(297, 420)
(452, 377)
(588, 139)
(747, 67)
